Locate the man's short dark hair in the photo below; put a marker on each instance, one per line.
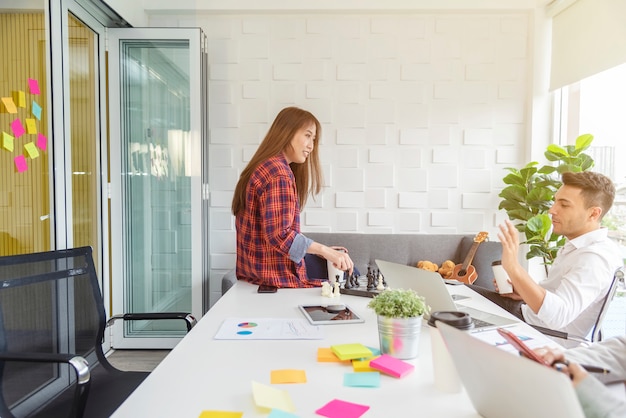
(596, 189)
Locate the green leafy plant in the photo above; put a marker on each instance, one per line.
(529, 194)
(398, 303)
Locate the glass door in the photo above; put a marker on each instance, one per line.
(156, 140)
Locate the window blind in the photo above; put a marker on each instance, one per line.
(588, 37)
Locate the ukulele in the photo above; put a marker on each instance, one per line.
(465, 272)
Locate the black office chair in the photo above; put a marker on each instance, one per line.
(52, 324)
(596, 332)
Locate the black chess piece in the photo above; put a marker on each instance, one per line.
(347, 284)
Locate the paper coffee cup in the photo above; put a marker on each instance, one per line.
(333, 272)
(502, 279)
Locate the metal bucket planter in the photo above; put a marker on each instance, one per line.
(399, 337)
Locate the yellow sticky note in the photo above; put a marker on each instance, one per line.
(19, 97)
(31, 126)
(363, 365)
(7, 141)
(267, 397)
(351, 351)
(31, 150)
(287, 376)
(7, 105)
(220, 414)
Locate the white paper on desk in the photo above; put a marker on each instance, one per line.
(492, 337)
(268, 329)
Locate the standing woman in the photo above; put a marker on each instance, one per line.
(269, 195)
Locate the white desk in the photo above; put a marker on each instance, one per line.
(202, 373)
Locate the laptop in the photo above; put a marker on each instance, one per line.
(502, 384)
(431, 286)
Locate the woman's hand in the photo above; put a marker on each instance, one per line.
(340, 258)
(558, 361)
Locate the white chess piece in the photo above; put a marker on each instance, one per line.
(327, 290)
(380, 286)
(336, 292)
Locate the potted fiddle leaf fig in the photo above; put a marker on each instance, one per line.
(529, 194)
(399, 315)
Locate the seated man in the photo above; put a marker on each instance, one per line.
(570, 298)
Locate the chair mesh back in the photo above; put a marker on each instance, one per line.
(49, 303)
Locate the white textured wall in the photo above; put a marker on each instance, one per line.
(420, 113)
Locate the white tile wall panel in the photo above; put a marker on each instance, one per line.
(317, 218)
(510, 111)
(444, 112)
(291, 27)
(382, 47)
(252, 26)
(476, 180)
(445, 155)
(412, 200)
(444, 219)
(408, 157)
(379, 175)
(446, 90)
(477, 116)
(511, 90)
(319, 91)
(222, 199)
(256, 90)
(382, 70)
(478, 136)
(253, 111)
(472, 222)
(376, 198)
(287, 51)
(352, 71)
(509, 134)
(221, 93)
(409, 222)
(223, 178)
(224, 51)
(476, 158)
(443, 176)
(511, 156)
(222, 219)
(221, 157)
(350, 200)
(414, 136)
(381, 155)
(381, 112)
(223, 241)
(287, 72)
(346, 157)
(283, 93)
(350, 50)
(381, 134)
(439, 199)
(254, 47)
(412, 179)
(351, 136)
(225, 261)
(348, 92)
(380, 218)
(347, 221)
(477, 92)
(417, 71)
(444, 135)
(480, 200)
(349, 180)
(224, 116)
(350, 115)
(225, 72)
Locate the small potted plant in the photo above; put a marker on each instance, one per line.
(399, 314)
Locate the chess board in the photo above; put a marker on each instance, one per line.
(359, 289)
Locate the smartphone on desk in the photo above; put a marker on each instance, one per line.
(519, 345)
(264, 288)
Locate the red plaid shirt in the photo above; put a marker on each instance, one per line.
(268, 226)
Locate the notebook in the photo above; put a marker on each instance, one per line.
(431, 286)
(502, 384)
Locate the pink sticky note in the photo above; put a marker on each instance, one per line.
(20, 163)
(17, 128)
(342, 409)
(391, 366)
(33, 85)
(42, 142)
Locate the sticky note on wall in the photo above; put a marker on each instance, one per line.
(19, 97)
(7, 142)
(7, 105)
(31, 150)
(31, 126)
(33, 85)
(20, 163)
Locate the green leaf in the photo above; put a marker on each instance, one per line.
(584, 141)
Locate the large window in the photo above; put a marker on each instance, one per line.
(597, 105)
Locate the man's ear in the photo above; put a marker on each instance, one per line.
(596, 213)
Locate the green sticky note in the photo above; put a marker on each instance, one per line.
(7, 141)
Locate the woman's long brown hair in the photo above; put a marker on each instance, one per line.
(308, 174)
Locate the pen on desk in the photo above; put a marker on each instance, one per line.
(595, 369)
(590, 369)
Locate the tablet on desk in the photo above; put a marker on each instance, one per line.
(330, 314)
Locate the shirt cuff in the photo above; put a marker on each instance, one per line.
(298, 248)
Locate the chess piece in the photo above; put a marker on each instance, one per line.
(336, 291)
(380, 285)
(327, 291)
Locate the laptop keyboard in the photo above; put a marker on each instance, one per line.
(479, 323)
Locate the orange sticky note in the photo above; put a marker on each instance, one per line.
(326, 355)
(287, 376)
(7, 141)
(19, 98)
(7, 105)
(31, 126)
(220, 414)
(31, 150)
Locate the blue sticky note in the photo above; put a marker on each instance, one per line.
(279, 413)
(36, 110)
(362, 379)
(375, 351)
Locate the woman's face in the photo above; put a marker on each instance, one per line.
(301, 145)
